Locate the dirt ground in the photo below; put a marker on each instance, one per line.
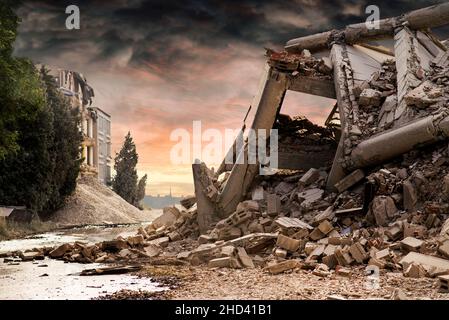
(201, 283)
(94, 203)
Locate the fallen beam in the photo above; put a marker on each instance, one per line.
(430, 17)
(312, 85)
(268, 101)
(395, 142)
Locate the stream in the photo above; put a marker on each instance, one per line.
(51, 279)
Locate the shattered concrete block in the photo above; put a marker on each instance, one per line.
(281, 253)
(311, 176)
(370, 97)
(168, 217)
(321, 270)
(142, 232)
(329, 250)
(152, 250)
(282, 266)
(394, 232)
(245, 260)
(255, 227)
(376, 262)
(204, 239)
(343, 258)
(257, 194)
(382, 254)
(288, 243)
(327, 214)
(229, 233)
(409, 195)
(162, 241)
(316, 234)
(444, 249)
(383, 209)
(330, 261)
(135, 241)
(344, 272)
(424, 95)
(31, 255)
(411, 244)
(114, 245)
(358, 89)
(174, 236)
(443, 283)
(428, 262)
(358, 253)
(248, 205)
(240, 217)
(284, 188)
(325, 66)
(350, 180)
(325, 227)
(294, 223)
(224, 262)
(316, 253)
(227, 251)
(308, 197)
(273, 204)
(60, 251)
(445, 229)
(415, 271)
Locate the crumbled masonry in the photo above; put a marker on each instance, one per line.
(371, 188)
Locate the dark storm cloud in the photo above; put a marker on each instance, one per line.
(156, 30)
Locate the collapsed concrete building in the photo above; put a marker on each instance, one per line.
(368, 191)
(386, 105)
(95, 123)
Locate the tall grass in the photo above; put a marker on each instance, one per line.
(9, 230)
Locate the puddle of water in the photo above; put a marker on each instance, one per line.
(25, 281)
(85, 234)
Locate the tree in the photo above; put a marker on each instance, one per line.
(65, 149)
(125, 180)
(21, 95)
(141, 191)
(39, 136)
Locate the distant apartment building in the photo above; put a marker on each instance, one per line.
(95, 124)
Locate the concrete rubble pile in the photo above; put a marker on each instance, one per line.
(381, 199)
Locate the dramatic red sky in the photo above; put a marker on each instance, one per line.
(158, 65)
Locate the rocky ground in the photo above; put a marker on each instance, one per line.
(202, 283)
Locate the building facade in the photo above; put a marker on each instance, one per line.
(95, 124)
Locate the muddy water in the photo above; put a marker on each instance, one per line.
(53, 279)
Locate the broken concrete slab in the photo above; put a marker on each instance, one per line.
(309, 196)
(273, 204)
(283, 266)
(383, 209)
(244, 258)
(60, 251)
(309, 177)
(430, 263)
(370, 97)
(409, 195)
(444, 249)
(288, 243)
(109, 270)
(292, 223)
(224, 262)
(411, 244)
(350, 180)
